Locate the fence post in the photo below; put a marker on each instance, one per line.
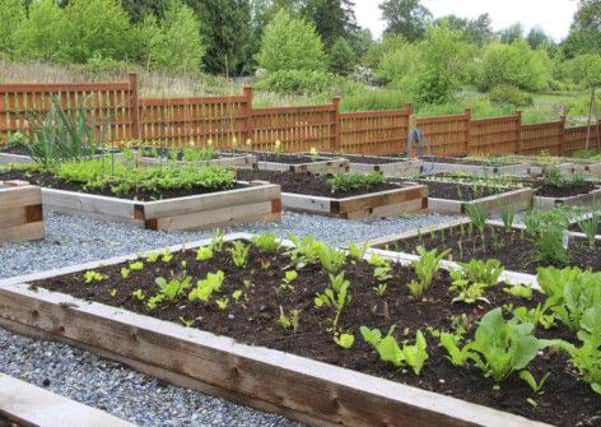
(134, 106)
(336, 131)
(562, 133)
(518, 133)
(468, 125)
(248, 124)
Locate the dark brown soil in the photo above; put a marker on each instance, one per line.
(515, 250)
(254, 320)
(51, 181)
(289, 159)
(15, 149)
(456, 191)
(568, 190)
(307, 184)
(371, 160)
(462, 161)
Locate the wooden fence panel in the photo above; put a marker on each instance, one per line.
(542, 137)
(194, 121)
(299, 129)
(447, 135)
(109, 106)
(375, 132)
(575, 138)
(493, 136)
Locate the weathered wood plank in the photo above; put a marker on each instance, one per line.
(27, 404)
(15, 197)
(23, 232)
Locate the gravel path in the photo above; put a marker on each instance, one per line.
(110, 386)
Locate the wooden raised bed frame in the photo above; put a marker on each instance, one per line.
(475, 170)
(313, 392)
(408, 197)
(226, 161)
(592, 199)
(21, 212)
(327, 166)
(258, 202)
(397, 168)
(28, 405)
(519, 199)
(8, 158)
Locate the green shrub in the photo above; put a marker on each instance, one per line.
(298, 82)
(508, 94)
(433, 87)
(342, 58)
(291, 44)
(364, 99)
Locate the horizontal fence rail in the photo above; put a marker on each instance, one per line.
(231, 122)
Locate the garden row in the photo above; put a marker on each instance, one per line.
(183, 189)
(326, 336)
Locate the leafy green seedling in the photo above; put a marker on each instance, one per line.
(93, 276)
(345, 341)
(204, 253)
(205, 288)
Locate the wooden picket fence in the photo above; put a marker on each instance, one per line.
(231, 122)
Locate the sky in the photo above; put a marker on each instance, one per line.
(553, 16)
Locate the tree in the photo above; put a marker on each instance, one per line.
(585, 34)
(290, 44)
(12, 15)
(226, 30)
(361, 41)
(512, 34)
(406, 17)
(515, 64)
(342, 58)
(477, 31)
(43, 34)
(176, 44)
(96, 28)
(537, 38)
(332, 18)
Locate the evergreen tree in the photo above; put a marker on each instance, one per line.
(342, 58)
(226, 30)
(406, 17)
(332, 18)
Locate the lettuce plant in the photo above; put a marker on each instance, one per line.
(332, 260)
(425, 268)
(266, 243)
(337, 295)
(413, 356)
(205, 288)
(239, 251)
(499, 347)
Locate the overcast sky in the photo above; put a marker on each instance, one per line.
(554, 16)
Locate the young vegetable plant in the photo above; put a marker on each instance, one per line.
(217, 241)
(356, 251)
(589, 227)
(169, 290)
(305, 252)
(205, 288)
(289, 321)
(239, 251)
(499, 348)
(289, 277)
(266, 243)
(413, 356)
(519, 291)
(94, 276)
(332, 260)
(337, 296)
(537, 315)
(204, 253)
(570, 293)
(425, 269)
(508, 216)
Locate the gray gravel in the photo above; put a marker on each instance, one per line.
(110, 386)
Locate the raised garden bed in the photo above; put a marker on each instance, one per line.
(23, 404)
(583, 194)
(21, 212)
(514, 248)
(173, 209)
(298, 371)
(301, 163)
(389, 166)
(454, 198)
(472, 166)
(312, 193)
(158, 156)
